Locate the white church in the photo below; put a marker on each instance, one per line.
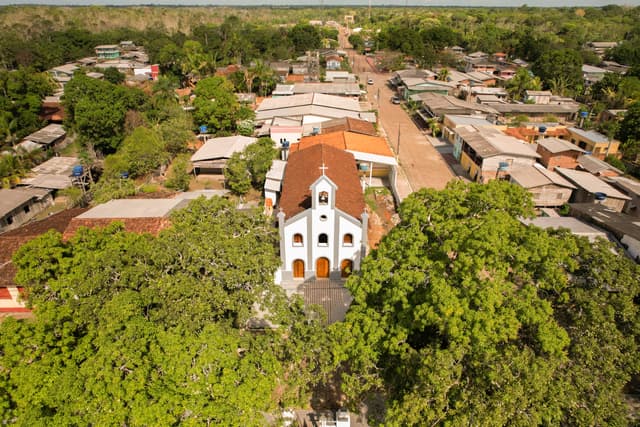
(322, 219)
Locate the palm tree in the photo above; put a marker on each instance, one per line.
(444, 74)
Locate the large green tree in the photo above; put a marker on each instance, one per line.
(464, 316)
(216, 105)
(96, 110)
(560, 70)
(629, 131)
(141, 330)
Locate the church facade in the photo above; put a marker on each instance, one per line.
(322, 219)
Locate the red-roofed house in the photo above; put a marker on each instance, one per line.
(372, 153)
(322, 218)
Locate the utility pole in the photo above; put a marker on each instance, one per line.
(398, 145)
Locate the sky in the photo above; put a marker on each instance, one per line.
(467, 3)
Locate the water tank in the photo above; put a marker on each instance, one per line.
(503, 166)
(315, 131)
(363, 166)
(542, 129)
(78, 170)
(285, 144)
(599, 196)
(203, 129)
(124, 174)
(584, 114)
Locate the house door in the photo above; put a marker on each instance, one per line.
(346, 267)
(322, 268)
(298, 269)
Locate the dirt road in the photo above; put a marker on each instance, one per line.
(423, 165)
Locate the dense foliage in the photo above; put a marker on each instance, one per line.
(463, 316)
(97, 109)
(21, 94)
(249, 167)
(138, 330)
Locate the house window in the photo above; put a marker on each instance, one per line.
(298, 240)
(347, 240)
(582, 145)
(323, 217)
(323, 240)
(9, 220)
(26, 209)
(323, 198)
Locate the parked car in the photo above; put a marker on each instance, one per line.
(395, 99)
(370, 81)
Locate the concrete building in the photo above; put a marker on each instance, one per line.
(631, 188)
(591, 189)
(373, 156)
(18, 206)
(47, 137)
(487, 153)
(108, 51)
(310, 109)
(548, 188)
(322, 218)
(555, 152)
(597, 144)
(597, 167)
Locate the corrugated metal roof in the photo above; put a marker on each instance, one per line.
(595, 165)
(47, 135)
(133, 208)
(222, 148)
(14, 198)
(556, 145)
(590, 135)
(591, 183)
(532, 177)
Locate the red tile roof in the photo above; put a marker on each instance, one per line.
(346, 141)
(295, 78)
(303, 169)
(349, 124)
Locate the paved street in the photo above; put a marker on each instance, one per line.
(422, 164)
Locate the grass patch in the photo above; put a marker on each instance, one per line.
(149, 188)
(371, 193)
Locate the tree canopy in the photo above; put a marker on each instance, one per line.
(464, 316)
(216, 105)
(97, 110)
(141, 330)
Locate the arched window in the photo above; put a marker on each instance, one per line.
(346, 268)
(323, 198)
(298, 240)
(347, 240)
(323, 240)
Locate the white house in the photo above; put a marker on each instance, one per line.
(322, 218)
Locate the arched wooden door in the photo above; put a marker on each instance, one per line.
(346, 267)
(322, 268)
(298, 269)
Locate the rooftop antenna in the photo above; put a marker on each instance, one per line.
(369, 10)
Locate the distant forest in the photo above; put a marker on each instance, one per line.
(43, 37)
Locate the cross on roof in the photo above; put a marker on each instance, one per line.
(323, 168)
